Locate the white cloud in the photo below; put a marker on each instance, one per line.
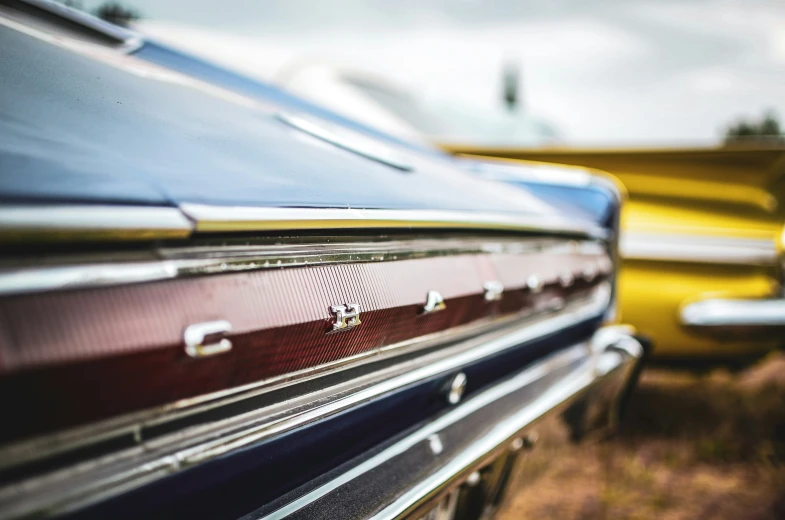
(641, 72)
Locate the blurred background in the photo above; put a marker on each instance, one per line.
(598, 72)
(706, 442)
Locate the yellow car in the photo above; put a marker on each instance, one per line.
(701, 244)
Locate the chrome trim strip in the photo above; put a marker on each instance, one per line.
(41, 279)
(697, 248)
(582, 358)
(511, 170)
(198, 261)
(734, 313)
(92, 222)
(526, 171)
(128, 40)
(348, 140)
(74, 487)
(234, 218)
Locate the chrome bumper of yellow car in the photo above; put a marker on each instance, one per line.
(743, 316)
(698, 248)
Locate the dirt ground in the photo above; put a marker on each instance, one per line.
(708, 445)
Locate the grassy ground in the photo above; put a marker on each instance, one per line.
(691, 446)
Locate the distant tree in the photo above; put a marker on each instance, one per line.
(117, 13)
(770, 126)
(766, 130)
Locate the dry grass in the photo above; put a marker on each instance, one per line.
(691, 446)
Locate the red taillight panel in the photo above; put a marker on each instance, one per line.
(78, 356)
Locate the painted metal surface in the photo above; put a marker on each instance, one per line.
(173, 59)
(142, 142)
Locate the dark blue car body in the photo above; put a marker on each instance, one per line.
(155, 127)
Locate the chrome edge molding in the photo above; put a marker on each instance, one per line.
(128, 40)
(538, 173)
(234, 218)
(698, 248)
(200, 261)
(526, 171)
(579, 362)
(67, 489)
(139, 222)
(344, 138)
(92, 222)
(734, 313)
(42, 279)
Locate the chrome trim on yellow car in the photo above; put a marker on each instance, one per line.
(718, 312)
(697, 248)
(233, 218)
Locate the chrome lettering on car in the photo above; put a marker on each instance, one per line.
(346, 316)
(207, 339)
(433, 302)
(493, 290)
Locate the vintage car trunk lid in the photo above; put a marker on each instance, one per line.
(86, 123)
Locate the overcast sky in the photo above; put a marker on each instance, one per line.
(604, 72)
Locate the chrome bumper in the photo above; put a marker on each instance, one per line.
(582, 386)
(697, 248)
(744, 317)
